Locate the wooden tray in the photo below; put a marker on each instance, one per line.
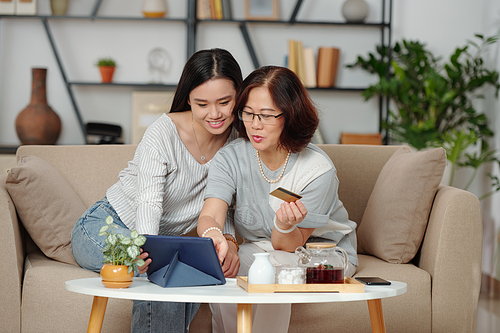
(350, 285)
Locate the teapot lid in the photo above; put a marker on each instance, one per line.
(320, 245)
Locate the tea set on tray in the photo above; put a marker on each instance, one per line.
(318, 263)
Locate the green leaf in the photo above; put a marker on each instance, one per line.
(124, 239)
(133, 251)
(140, 240)
(111, 239)
(109, 220)
(103, 230)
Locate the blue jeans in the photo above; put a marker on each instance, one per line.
(87, 246)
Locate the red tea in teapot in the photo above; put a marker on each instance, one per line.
(324, 274)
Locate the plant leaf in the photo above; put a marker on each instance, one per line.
(133, 251)
(140, 240)
(103, 230)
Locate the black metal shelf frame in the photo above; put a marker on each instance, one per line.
(192, 22)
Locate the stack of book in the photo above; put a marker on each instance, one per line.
(302, 62)
(18, 7)
(214, 10)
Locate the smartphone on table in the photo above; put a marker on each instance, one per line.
(373, 281)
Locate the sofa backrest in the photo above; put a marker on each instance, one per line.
(92, 169)
(89, 169)
(358, 167)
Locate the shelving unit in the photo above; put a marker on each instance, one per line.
(192, 22)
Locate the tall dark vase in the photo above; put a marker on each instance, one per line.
(38, 124)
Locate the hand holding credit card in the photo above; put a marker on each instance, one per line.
(285, 195)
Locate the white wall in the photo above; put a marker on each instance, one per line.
(442, 24)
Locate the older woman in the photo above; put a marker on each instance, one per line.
(276, 121)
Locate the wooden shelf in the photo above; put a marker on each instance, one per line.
(350, 24)
(125, 84)
(191, 21)
(85, 17)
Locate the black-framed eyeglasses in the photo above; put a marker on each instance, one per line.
(267, 119)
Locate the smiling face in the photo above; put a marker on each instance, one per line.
(264, 137)
(212, 104)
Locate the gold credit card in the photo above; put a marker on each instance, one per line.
(286, 195)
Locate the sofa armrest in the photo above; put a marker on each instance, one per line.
(12, 249)
(451, 252)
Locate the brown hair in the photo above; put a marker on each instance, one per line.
(290, 97)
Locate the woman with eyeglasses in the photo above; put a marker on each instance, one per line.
(276, 120)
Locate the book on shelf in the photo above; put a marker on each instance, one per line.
(301, 62)
(7, 7)
(218, 9)
(299, 50)
(292, 56)
(296, 58)
(203, 9)
(309, 68)
(18, 7)
(328, 60)
(213, 10)
(227, 11)
(26, 7)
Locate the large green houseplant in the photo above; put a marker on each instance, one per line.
(432, 103)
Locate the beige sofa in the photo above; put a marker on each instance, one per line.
(443, 279)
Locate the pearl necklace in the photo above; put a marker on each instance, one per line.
(282, 171)
(196, 139)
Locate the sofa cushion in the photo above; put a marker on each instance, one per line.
(46, 204)
(397, 211)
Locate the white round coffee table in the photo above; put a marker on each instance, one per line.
(230, 292)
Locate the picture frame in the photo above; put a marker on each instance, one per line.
(147, 106)
(261, 10)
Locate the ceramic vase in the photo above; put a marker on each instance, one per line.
(154, 8)
(107, 73)
(38, 124)
(261, 271)
(59, 7)
(355, 10)
(116, 276)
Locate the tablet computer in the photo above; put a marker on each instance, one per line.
(181, 261)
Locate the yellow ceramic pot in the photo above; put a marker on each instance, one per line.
(116, 276)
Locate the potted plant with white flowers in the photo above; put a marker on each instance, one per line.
(120, 255)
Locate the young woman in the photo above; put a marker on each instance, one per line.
(161, 191)
(276, 120)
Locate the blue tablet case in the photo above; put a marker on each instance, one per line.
(180, 261)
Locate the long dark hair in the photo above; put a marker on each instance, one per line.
(290, 97)
(202, 66)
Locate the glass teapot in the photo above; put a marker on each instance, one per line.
(325, 262)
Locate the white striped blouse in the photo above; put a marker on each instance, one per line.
(161, 191)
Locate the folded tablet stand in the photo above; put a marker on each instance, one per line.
(179, 274)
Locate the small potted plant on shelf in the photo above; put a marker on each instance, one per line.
(120, 256)
(107, 67)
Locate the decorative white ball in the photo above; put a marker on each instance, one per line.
(355, 10)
